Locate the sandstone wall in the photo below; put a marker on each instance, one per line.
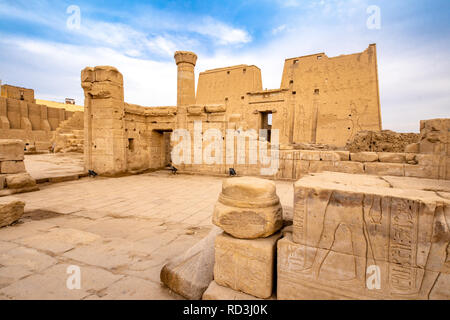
(28, 121)
(334, 97)
(228, 85)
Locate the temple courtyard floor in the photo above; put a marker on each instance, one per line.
(119, 232)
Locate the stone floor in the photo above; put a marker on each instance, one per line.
(119, 231)
(50, 165)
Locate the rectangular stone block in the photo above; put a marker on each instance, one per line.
(348, 167)
(321, 166)
(12, 167)
(346, 223)
(384, 169)
(342, 276)
(391, 157)
(427, 159)
(301, 168)
(343, 155)
(11, 149)
(11, 209)
(216, 292)
(246, 265)
(417, 171)
(364, 156)
(312, 155)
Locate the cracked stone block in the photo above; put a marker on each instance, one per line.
(388, 169)
(246, 265)
(11, 210)
(28, 258)
(343, 225)
(248, 208)
(11, 150)
(59, 240)
(391, 157)
(190, 273)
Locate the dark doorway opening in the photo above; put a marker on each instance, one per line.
(266, 123)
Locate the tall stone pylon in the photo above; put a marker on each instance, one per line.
(185, 61)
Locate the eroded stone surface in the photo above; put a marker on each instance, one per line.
(341, 228)
(11, 209)
(190, 274)
(248, 208)
(246, 265)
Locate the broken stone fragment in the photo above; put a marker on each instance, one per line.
(190, 274)
(248, 208)
(11, 210)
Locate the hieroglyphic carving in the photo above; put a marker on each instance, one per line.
(342, 226)
(403, 246)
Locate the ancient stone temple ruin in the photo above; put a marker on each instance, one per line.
(36, 124)
(321, 100)
(322, 203)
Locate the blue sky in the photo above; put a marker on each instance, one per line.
(39, 51)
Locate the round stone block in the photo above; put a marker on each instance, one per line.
(248, 208)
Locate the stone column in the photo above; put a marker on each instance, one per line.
(105, 140)
(186, 77)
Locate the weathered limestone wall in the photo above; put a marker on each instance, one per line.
(26, 120)
(121, 137)
(334, 98)
(145, 130)
(17, 93)
(433, 163)
(228, 86)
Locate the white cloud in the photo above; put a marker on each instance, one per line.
(221, 32)
(53, 70)
(413, 86)
(278, 29)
